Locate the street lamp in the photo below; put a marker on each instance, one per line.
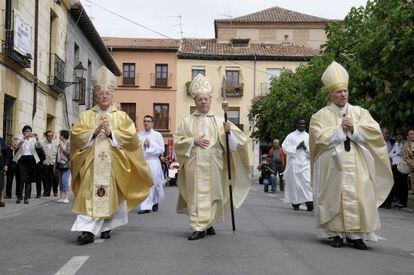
(79, 72)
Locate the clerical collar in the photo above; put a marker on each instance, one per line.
(340, 110)
(107, 111)
(197, 113)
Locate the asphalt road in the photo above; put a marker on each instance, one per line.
(271, 238)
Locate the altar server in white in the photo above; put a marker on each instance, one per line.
(297, 171)
(153, 146)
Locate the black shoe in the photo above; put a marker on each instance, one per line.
(337, 242)
(8, 197)
(296, 207)
(2, 204)
(19, 200)
(86, 237)
(309, 206)
(55, 194)
(26, 201)
(210, 231)
(38, 197)
(143, 212)
(155, 207)
(358, 244)
(196, 235)
(106, 234)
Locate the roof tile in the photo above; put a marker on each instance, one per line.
(275, 15)
(211, 48)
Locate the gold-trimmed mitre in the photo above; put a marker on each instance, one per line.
(200, 85)
(104, 79)
(335, 76)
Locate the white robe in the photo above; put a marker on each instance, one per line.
(151, 155)
(297, 171)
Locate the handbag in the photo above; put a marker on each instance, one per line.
(61, 166)
(403, 167)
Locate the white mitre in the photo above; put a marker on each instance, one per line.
(335, 76)
(104, 79)
(200, 85)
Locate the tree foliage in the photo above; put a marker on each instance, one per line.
(375, 44)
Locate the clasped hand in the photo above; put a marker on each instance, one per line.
(347, 124)
(301, 146)
(102, 128)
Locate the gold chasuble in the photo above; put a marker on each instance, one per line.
(105, 175)
(349, 186)
(203, 178)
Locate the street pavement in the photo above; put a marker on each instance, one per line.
(271, 238)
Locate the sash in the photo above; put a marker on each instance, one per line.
(101, 172)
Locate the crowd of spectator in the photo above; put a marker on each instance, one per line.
(45, 162)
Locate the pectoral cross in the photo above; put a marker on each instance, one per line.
(103, 156)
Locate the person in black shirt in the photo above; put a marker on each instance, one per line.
(267, 168)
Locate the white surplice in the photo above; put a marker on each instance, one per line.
(297, 171)
(152, 154)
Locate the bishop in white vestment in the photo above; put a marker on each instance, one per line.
(351, 172)
(199, 143)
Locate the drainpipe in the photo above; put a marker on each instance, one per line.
(254, 77)
(36, 48)
(7, 23)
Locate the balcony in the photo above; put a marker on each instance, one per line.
(57, 77)
(8, 49)
(157, 82)
(233, 89)
(130, 81)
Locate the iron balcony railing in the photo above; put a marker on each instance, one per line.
(233, 89)
(161, 82)
(57, 76)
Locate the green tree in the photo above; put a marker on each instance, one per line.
(375, 44)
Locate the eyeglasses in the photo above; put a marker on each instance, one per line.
(147, 120)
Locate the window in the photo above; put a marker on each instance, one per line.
(161, 116)
(8, 118)
(233, 115)
(129, 74)
(130, 109)
(240, 43)
(197, 71)
(161, 74)
(232, 78)
(272, 73)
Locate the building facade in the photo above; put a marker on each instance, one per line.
(83, 46)
(247, 53)
(276, 25)
(148, 83)
(42, 41)
(30, 31)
